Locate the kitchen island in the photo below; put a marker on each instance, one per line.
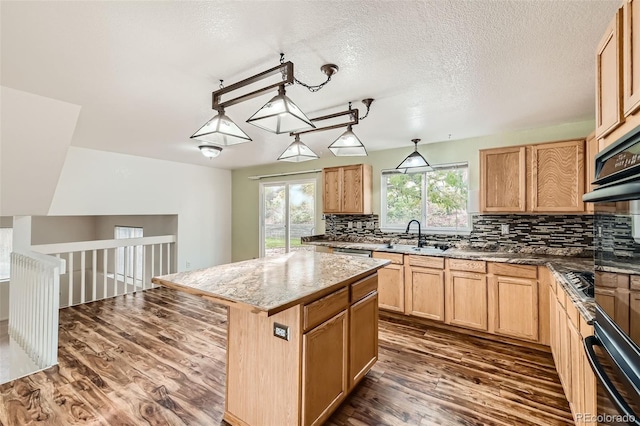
(302, 332)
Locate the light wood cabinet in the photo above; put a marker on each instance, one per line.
(426, 293)
(540, 178)
(347, 189)
(515, 310)
(466, 299)
(363, 337)
(609, 79)
(567, 332)
(631, 56)
(391, 282)
(503, 180)
(324, 368)
(557, 177)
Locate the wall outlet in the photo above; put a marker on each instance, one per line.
(188, 264)
(281, 331)
(358, 225)
(505, 229)
(349, 224)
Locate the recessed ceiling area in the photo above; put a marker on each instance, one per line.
(143, 72)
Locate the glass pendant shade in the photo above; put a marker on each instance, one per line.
(210, 151)
(280, 115)
(220, 130)
(348, 145)
(413, 160)
(297, 152)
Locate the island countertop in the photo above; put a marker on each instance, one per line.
(272, 284)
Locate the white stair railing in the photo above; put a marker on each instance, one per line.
(33, 313)
(107, 268)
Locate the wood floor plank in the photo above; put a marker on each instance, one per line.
(158, 357)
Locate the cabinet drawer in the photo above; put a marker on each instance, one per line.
(321, 310)
(426, 261)
(393, 257)
(509, 270)
(467, 265)
(363, 287)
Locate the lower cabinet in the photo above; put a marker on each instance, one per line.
(426, 293)
(568, 330)
(324, 368)
(363, 337)
(391, 285)
(466, 300)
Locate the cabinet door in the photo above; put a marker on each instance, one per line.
(515, 307)
(426, 287)
(574, 393)
(363, 337)
(352, 189)
(553, 326)
(391, 288)
(324, 369)
(557, 177)
(564, 350)
(332, 190)
(634, 315)
(589, 395)
(502, 180)
(631, 56)
(466, 300)
(608, 80)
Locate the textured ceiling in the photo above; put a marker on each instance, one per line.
(143, 72)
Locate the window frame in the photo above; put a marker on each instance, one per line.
(423, 219)
(122, 275)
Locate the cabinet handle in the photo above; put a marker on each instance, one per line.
(611, 390)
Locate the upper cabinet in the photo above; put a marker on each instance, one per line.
(609, 79)
(539, 178)
(631, 56)
(347, 189)
(557, 177)
(502, 178)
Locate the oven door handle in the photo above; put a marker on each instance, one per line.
(614, 395)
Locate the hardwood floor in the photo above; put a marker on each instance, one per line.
(159, 358)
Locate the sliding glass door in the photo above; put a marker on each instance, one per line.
(287, 212)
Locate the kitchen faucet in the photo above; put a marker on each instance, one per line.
(420, 242)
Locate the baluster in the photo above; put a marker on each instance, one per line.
(94, 260)
(168, 258)
(115, 272)
(160, 260)
(144, 267)
(135, 268)
(104, 273)
(70, 279)
(126, 269)
(82, 277)
(153, 261)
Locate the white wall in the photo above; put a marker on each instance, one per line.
(5, 222)
(35, 134)
(104, 183)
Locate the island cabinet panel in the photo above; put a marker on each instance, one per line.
(347, 189)
(325, 366)
(515, 306)
(391, 282)
(252, 350)
(609, 79)
(503, 180)
(466, 302)
(557, 177)
(363, 335)
(425, 293)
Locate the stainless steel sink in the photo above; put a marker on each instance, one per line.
(427, 249)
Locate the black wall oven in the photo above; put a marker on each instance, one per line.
(614, 349)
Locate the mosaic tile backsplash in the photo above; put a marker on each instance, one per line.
(534, 233)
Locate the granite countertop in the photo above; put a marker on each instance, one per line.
(557, 264)
(272, 284)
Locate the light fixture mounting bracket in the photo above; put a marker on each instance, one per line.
(329, 69)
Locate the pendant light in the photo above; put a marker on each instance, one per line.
(221, 130)
(413, 160)
(348, 145)
(280, 115)
(210, 151)
(298, 152)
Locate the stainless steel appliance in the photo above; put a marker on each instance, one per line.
(353, 252)
(614, 349)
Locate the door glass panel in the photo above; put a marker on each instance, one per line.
(275, 220)
(301, 214)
